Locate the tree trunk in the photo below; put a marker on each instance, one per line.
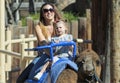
(115, 42)
(10, 16)
(31, 7)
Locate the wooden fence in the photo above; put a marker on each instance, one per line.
(20, 38)
(23, 56)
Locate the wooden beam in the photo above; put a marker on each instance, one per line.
(2, 41)
(89, 29)
(115, 42)
(25, 5)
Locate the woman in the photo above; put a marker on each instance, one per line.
(44, 31)
(59, 51)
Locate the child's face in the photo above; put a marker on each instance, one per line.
(60, 29)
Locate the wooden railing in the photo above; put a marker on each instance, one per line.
(23, 55)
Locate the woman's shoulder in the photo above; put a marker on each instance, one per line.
(40, 25)
(37, 26)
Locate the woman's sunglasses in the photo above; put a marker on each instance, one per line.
(47, 10)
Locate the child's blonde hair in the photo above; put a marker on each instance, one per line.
(62, 22)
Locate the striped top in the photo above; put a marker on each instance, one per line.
(63, 51)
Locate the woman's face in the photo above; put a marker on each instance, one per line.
(48, 12)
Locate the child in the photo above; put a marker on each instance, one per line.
(61, 35)
(60, 51)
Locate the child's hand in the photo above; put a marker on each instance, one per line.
(56, 41)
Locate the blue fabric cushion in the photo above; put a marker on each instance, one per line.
(54, 71)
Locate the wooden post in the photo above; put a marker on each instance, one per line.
(8, 58)
(82, 27)
(2, 41)
(8, 47)
(82, 32)
(23, 53)
(88, 23)
(30, 45)
(30, 25)
(74, 29)
(106, 73)
(115, 40)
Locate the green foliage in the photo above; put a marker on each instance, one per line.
(34, 17)
(23, 19)
(69, 16)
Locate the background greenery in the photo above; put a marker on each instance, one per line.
(68, 16)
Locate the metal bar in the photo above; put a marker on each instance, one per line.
(14, 54)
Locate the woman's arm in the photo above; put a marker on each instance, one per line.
(39, 34)
(41, 38)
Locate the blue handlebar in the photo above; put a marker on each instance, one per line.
(52, 44)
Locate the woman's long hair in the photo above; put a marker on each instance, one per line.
(42, 20)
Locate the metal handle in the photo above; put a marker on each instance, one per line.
(82, 41)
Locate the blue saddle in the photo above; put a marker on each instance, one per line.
(54, 71)
(56, 68)
(59, 66)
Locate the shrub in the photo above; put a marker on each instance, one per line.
(69, 16)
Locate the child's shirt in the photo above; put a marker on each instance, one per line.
(63, 51)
